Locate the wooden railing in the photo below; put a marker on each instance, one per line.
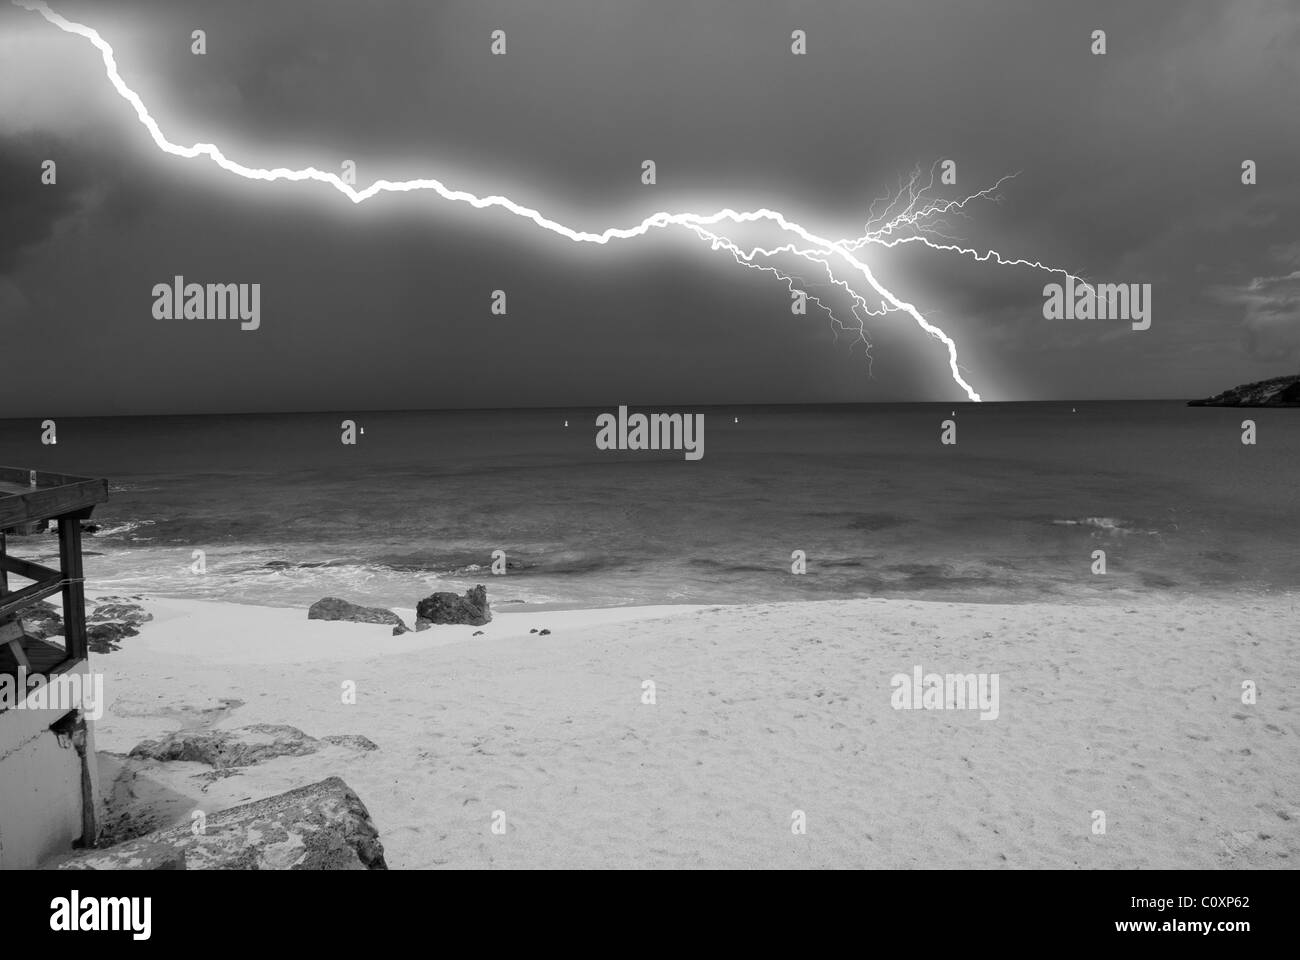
(27, 496)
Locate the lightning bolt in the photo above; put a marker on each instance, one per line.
(917, 220)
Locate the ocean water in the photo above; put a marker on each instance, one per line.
(286, 514)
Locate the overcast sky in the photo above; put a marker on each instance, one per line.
(1129, 171)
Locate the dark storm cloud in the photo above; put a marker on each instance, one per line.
(1129, 163)
(31, 214)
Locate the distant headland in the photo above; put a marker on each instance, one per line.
(1278, 392)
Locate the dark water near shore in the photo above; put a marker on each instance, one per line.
(286, 514)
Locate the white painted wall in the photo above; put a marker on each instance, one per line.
(40, 787)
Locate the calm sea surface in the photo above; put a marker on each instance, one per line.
(287, 514)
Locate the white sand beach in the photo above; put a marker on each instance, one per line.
(1131, 708)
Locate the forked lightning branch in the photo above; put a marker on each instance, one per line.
(911, 214)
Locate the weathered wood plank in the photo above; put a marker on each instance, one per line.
(17, 601)
(25, 568)
(74, 590)
(44, 478)
(12, 632)
(42, 502)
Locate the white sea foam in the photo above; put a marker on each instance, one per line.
(1109, 524)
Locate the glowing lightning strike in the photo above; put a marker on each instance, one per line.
(750, 260)
(822, 249)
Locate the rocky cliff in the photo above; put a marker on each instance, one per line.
(1278, 392)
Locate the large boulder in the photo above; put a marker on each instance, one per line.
(332, 608)
(323, 826)
(446, 607)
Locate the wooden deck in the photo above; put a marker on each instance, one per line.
(54, 495)
(28, 496)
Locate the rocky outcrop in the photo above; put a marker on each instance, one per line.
(332, 608)
(1278, 392)
(109, 621)
(446, 607)
(224, 750)
(118, 609)
(112, 620)
(42, 619)
(107, 637)
(323, 826)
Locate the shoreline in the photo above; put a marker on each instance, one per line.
(1227, 595)
(217, 631)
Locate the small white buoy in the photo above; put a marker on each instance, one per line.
(737, 420)
(566, 423)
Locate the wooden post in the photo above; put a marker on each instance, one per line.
(84, 740)
(74, 637)
(27, 529)
(74, 591)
